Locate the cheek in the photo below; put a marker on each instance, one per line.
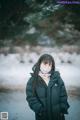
(49, 67)
(42, 65)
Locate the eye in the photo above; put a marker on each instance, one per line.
(45, 62)
(49, 64)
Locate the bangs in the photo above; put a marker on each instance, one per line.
(47, 61)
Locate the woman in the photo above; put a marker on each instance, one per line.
(45, 91)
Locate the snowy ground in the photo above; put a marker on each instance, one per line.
(15, 104)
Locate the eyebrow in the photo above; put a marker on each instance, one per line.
(46, 62)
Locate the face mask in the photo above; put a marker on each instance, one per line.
(45, 70)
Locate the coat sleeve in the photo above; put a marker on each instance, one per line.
(63, 98)
(32, 100)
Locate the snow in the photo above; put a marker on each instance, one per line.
(31, 31)
(70, 74)
(13, 72)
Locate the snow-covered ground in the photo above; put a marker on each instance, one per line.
(15, 104)
(15, 68)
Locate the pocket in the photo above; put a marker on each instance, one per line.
(62, 117)
(40, 111)
(42, 114)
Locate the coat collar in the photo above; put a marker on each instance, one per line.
(54, 78)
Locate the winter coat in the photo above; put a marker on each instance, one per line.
(48, 102)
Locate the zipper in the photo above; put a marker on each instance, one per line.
(43, 81)
(48, 97)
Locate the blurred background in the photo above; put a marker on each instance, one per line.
(28, 29)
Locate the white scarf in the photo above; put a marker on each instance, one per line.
(45, 77)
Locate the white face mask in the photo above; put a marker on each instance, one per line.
(45, 69)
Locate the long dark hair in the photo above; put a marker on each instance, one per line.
(36, 68)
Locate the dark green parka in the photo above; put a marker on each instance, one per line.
(48, 102)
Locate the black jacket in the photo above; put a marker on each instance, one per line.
(48, 102)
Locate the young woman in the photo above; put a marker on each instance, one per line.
(45, 91)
